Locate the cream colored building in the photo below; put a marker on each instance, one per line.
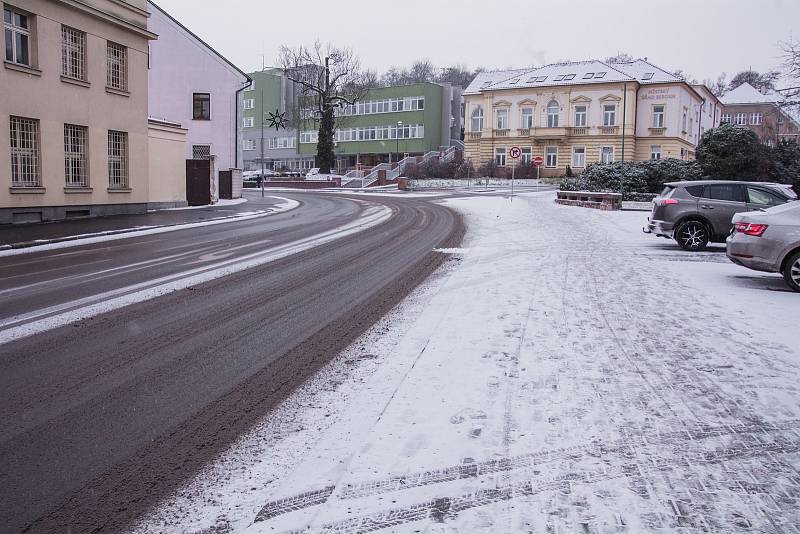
(74, 112)
(577, 113)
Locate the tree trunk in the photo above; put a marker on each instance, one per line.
(326, 159)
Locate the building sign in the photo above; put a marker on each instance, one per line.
(658, 94)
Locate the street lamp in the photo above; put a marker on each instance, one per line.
(397, 144)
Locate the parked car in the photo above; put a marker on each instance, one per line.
(768, 241)
(698, 212)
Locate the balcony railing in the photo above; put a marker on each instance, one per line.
(579, 130)
(657, 131)
(472, 136)
(501, 132)
(609, 130)
(524, 132)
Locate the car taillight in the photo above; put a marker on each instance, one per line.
(665, 201)
(756, 230)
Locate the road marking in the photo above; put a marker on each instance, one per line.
(62, 314)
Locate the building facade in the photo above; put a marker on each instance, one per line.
(577, 113)
(73, 104)
(193, 85)
(762, 112)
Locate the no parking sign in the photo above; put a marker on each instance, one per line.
(514, 152)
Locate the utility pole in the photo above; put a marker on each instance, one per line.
(261, 110)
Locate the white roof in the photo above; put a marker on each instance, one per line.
(747, 94)
(570, 73)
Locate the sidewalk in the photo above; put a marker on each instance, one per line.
(27, 235)
(567, 373)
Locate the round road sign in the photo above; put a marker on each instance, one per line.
(514, 152)
(538, 160)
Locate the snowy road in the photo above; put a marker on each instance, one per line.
(563, 373)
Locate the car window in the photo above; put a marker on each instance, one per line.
(763, 198)
(695, 190)
(729, 192)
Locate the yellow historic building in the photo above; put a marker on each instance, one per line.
(577, 113)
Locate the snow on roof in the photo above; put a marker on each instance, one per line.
(747, 94)
(570, 73)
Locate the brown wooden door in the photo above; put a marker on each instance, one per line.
(225, 184)
(198, 182)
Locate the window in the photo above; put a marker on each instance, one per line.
(17, 32)
(763, 198)
(607, 154)
(527, 117)
(201, 151)
(116, 66)
(551, 156)
(658, 116)
(501, 119)
(755, 119)
(579, 156)
(249, 103)
(552, 114)
(309, 137)
(558, 78)
(282, 142)
(684, 119)
(117, 160)
(75, 164)
(73, 53)
(726, 117)
(569, 77)
(580, 116)
(477, 119)
(500, 157)
(609, 115)
(247, 122)
(588, 76)
(249, 144)
(740, 119)
(648, 75)
(730, 193)
(25, 153)
(655, 152)
(540, 79)
(600, 75)
(201, 107)
(527, 155)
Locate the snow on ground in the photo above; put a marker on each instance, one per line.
(562, 373)
(218, 203)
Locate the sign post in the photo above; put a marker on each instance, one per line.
(514, 153)
(538, 161)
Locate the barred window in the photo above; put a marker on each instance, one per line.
(201, 151)
(117, 160)
(73, 53)
(75, 170)
(116, 66)
(25, 153)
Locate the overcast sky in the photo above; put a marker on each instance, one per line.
(702, 37)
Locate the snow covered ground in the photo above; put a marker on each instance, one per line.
(563, 372)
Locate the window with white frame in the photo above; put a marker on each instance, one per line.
(25, 152)
(116, 66)
(609, 115)
(75, 164)
(527, 155)
(477, 119)
(17, 35)
(756, 118)
(385, 105)
(247, 122)
(117, 160)
(249, 103)
(552, 114)
(740, 119)
(607, 154)
(659, 110)
(726, 117)
(527, 118)
(579, 157)
(282, 142)
(309, 137)
(655, 152)
(580, 115)
(500, 157)
(551, 156)
(73, 53)
(501, 119)
(249, 144)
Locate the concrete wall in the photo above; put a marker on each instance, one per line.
(167, 174)
(41, 93)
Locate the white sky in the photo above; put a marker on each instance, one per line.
(702, 37)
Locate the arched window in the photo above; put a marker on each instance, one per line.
(477, 119)
(552, 114)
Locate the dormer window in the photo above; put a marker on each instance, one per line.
(588, 76)
(600, 75)
(558, 78)
(648, 75)
(541, 79)
(569, 77)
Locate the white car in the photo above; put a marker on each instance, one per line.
(314, 174)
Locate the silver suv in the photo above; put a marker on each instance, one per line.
(699, 212)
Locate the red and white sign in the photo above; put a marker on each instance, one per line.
(538, 160)
(514, 152)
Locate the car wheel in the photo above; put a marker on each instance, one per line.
(692, 235)
(791, 272)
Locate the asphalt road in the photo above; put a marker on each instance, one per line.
(101, 418)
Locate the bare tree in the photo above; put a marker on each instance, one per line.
(791, 70)
(719, 86)
(621, 57)
(327, 78)
(760, 80)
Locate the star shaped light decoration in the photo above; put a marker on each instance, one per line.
(276, 120)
